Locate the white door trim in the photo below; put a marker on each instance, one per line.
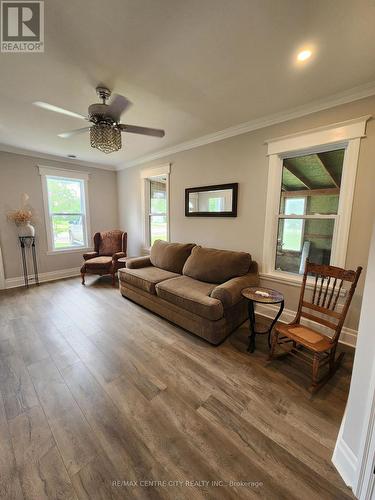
(365, 486)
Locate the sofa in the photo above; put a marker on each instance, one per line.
(194, 287)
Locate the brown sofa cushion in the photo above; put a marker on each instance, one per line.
(216, 266)
(170, 256)
(191, 295)
(146, 277)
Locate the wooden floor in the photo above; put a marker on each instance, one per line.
(102, 399)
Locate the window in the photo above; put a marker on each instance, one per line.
(306, 224)
(65, 201)
(309, 198)
(156, 204)
(158, 227)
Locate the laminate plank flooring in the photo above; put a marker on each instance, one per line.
(101, 399)
(10, 486)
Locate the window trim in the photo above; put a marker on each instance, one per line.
(346, 135)
(44, 172)
(146, 175)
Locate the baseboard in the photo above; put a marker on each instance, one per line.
(43, 277)
(344, 459)
(348, 335)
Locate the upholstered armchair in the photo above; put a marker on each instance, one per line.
(109, 247)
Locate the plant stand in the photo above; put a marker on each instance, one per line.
(28, 242)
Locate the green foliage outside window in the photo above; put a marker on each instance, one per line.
(64, 197)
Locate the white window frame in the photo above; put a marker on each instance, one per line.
(147, 175)
(58, 173)
(344, 135)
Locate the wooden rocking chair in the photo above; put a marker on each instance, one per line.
(310, 346)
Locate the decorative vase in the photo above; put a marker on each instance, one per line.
(26, 230)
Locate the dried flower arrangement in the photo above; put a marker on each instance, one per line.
(22, 215)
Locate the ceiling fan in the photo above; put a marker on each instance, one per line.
(105, 129)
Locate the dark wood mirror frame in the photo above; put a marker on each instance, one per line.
(217, 187)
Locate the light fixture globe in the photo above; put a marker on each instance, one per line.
(106, 137)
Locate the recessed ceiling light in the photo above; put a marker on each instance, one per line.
(304, 54)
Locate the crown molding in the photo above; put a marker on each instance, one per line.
(345, 97)
(46, 156)
(350, 95)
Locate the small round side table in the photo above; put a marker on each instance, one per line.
(272, 297)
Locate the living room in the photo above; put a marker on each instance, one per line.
(141, 265)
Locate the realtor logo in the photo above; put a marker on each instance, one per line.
(22, 26)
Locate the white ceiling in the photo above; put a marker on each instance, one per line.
(192, 67)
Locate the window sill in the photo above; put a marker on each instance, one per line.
(287, 278)
(291, 280)
(70, 250)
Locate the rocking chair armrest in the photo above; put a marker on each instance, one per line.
(90, 255)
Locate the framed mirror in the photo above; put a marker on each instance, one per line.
(212, 201)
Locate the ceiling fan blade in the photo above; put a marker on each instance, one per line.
(66, 135)
(57, 109)
(134, 129)
(117, 106)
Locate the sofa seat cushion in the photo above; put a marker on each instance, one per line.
(170, 256)
(216, 266)
(102, 261)
(191, 295)
(146, 278)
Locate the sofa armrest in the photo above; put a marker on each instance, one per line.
(138, 262)
(229, 293)
(90, 255)
(118, 255)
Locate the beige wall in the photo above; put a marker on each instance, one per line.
(20, 174)
(243, 159)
